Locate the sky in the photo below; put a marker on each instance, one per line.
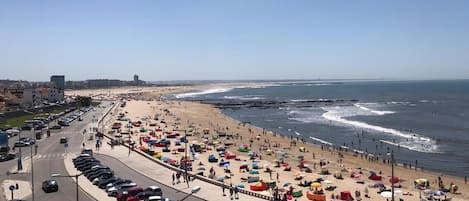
(239, 39)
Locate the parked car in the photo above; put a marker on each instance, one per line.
(154, 189)
(56, 127)
(95, 169)
(123, 195)
(87, 151)
(7, 157)
(141, 196)
(19, 144)
(113, 190)
(103, 183)
(118, 183)
(100, 173)
(102, 177)
(154, 198)
(50, 186)
(80, 157)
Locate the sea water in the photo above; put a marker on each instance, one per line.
(423, 122)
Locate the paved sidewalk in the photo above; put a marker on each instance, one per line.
(162, 174)
(22, 192)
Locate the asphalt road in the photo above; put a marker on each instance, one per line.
(123, 171)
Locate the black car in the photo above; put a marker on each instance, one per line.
(56, 127)
(103, 183)
(87, 151)
(7, 157)
(95, 174)
(108, 173)
(63, 140)
(88, 165)
(50, 186)
(95, 169)
(119, 182)
(85, 161)
(81, 157)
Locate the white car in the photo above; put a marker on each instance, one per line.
(154, 198)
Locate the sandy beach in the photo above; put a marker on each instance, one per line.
(144, 104)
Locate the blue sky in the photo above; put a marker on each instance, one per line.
(261, 39)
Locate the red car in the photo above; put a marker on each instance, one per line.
(141, 196)
(123, 195)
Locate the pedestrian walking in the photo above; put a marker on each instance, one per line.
(465, 179)
(223, 189)
(236, 191)
(231, 192)
(278, 177)
(174, 178)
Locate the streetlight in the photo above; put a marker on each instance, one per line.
(32, 162)
(76, 179)
(392, 174)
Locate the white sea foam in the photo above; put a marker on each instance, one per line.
(247, 97)
(422, 144)
(377, 112)
(198, 93)
(414, 146)
(297, 133)
(321, 141)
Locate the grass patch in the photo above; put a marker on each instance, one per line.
(19, 121)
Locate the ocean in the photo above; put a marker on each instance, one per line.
(423, 122)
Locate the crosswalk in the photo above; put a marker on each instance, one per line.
(51, 156)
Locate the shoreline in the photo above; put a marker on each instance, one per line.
(330, 155)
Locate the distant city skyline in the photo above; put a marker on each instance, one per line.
(234, 40)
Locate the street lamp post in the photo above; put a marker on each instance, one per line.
(76, 180)
(392, 175)
(32, 165)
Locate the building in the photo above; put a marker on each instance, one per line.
(103, 83)
(58, 81)
(136, 82)
(31, 97)
(55, 95)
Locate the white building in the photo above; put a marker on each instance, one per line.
(55, 95)
(31, 97)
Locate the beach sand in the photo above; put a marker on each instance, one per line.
(144, 103)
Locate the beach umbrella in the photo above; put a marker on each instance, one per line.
(386, 194)
(316, 185)
(286, 184)
(201, 168)
(226, 165)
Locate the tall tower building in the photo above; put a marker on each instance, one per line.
(58, 81)
(136, 82)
